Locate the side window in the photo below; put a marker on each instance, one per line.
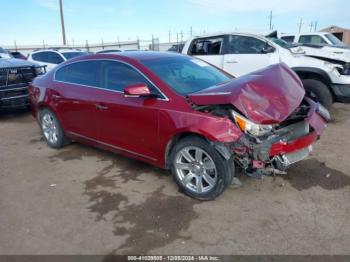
(81, 73)
(41, 56)
(54, 58)
(311, 39)
(289, 39)
(207, 46)
(245, 45)
(117, 76)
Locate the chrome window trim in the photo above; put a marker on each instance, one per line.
(112, 146)
(164, 98)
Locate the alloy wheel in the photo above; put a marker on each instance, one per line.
(196, 169)
(49, 128)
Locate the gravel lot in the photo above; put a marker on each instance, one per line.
(81, 200)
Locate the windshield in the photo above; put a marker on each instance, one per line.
(334, 40)
(281, 42)
(186, 74)
(69, 55)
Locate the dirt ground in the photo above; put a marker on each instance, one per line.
(81, 200)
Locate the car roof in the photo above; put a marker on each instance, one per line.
(140, 55)
(61, 50)
(307, 33)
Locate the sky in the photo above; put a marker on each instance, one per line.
(34, 21)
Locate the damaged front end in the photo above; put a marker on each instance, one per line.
(278, 131)
(284, 144)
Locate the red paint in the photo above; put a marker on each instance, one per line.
(297, 144)
(143, 127)
(266, 96)
(137, 90)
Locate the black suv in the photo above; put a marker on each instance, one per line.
(15, 76)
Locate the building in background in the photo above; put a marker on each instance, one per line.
(342, 33)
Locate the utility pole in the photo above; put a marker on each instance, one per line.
(311, 26)
(270, 17)
(315, 26)
(169, 36)
(191, 31)
(300, 24)
(62, 23)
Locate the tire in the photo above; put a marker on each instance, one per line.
(194, 175)
(52, 130)
(319, 92)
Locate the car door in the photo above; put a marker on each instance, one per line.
(74, 97)
(245, 54)
(209, 49)
(127, 123)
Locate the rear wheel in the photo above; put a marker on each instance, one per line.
(199, 170)
(318, 91)
(52, 130)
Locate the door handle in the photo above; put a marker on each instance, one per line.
(56, 97)
(231, 61)
(101, 107)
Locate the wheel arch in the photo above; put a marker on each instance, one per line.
(225, 153)
(316, 74)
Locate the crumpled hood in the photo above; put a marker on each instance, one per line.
(13, 62)
(266, 96)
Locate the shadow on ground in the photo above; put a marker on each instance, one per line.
(311, 172)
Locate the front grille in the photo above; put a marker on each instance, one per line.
(16, 77)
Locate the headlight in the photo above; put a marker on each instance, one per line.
(39, 70)
(249, 127)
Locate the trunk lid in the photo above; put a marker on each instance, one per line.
(265, 96)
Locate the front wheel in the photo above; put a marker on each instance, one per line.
(199, 170)
(318, 91)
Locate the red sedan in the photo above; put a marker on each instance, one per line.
(180, 113)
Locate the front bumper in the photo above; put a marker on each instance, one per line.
(16, 97)
(285, 146)
(341, 92)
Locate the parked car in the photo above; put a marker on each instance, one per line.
(317, 38)
(4, 53)
(15, 76)
(108, 51)
(180, 113)
(18, 55)
(176, 48)
(241, 53)
(52, 57)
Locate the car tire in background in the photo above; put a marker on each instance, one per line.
(318, 91)
(52, 130)
(199, 169)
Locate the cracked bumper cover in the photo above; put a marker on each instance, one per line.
(289, 145)
(341, 92)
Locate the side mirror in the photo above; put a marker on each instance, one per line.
(137, 90)
(268, 49)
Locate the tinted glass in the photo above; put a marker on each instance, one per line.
(117, 76)
(41, 56)
(289, 39)
(186, 75)
(207, 46)
(81, 73)
(311, 39)
(245, 45)
(54, 58)
(69, 55)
